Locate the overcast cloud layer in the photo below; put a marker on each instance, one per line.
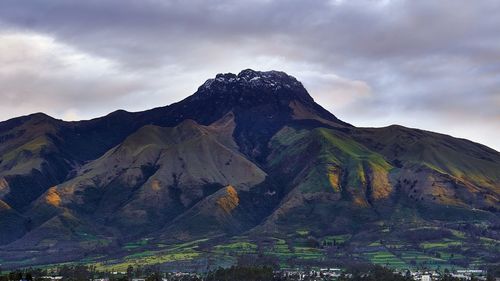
(433, 65)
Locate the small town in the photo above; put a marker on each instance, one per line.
(257, 274)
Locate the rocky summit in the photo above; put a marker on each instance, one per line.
(248, 166)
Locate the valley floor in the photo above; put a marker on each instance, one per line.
(300, 250)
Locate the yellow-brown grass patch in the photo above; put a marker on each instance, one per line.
(230, 200)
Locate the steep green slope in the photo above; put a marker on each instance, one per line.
(329, 160)
(30, 160)
(337, 183)
(329, 177)
(439, 164)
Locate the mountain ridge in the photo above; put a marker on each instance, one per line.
(247, 154)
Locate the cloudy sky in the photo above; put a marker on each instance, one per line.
(431, 64)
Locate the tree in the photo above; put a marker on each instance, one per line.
(75, 273)
(15, 275)
(138, 271)
(130, 272)
(154, 277)
(490, 276)
(241, 274)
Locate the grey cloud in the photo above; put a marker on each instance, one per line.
(430, 60)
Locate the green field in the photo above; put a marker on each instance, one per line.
(296, 250)
(386, 259)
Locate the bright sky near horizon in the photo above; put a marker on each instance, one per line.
(433, 65)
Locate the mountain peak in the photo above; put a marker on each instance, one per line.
(254, 84)
(253, 78)
(278, 76)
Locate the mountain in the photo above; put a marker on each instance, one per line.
(249, 159)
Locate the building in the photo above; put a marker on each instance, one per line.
(52, 277)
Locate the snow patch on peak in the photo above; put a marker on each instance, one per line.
(273, 80)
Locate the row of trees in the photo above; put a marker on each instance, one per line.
(77, 273)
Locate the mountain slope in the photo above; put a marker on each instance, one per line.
(154, 175)
(334, 177)
(470, 162)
